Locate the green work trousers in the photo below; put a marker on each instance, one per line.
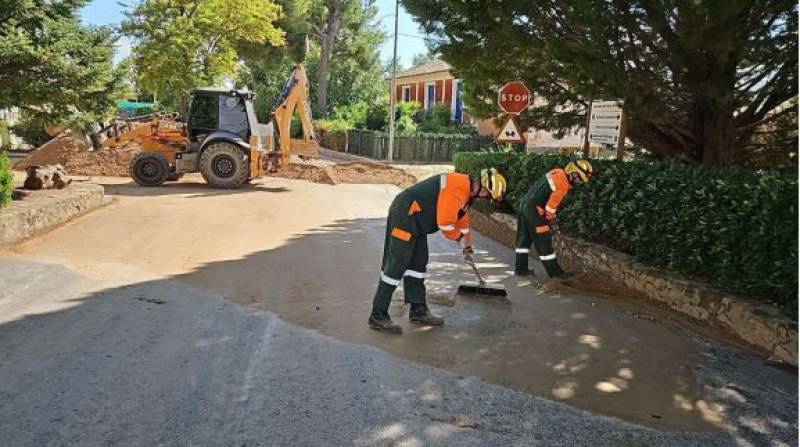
(405, 257)
(533, 227)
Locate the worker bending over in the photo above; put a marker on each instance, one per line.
(538, 209)
(438, 203)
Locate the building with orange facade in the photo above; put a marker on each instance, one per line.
(429, 84)
(432, 83)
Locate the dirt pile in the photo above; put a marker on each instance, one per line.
(312, 173)
(370, 173)
(72, 152)
(356, 172)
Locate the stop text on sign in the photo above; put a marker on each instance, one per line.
(514, 97)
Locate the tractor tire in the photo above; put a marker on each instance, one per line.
(224, 166)
(149, 169)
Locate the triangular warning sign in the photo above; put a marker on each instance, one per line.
(510, 132)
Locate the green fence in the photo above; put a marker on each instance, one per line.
(421, 148)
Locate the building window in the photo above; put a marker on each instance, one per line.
(406, 96)
(430, 95)
(457, 107)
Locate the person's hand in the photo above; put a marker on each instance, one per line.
(468, 252)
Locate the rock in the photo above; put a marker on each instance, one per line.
(46, 177)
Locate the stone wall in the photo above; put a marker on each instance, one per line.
(756, 324)
(42, 210)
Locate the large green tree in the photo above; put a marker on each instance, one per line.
(339, 44)
(348, 59)
(52, 67)
(700, 78)
(182, 44)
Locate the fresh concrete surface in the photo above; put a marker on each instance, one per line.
(117, 330)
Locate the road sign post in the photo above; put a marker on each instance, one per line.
(623, 133)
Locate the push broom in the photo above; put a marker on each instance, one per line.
(481, 289)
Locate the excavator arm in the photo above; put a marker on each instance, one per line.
(294, 97)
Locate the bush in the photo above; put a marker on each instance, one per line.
(735, 227)
(438, 121)
(364, 115)
(434, 120)
(6, 180)
(404, 117)
(334, 125)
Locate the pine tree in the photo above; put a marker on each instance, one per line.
(699, 78)
(53, 68)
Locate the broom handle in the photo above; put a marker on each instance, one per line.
(477, 273)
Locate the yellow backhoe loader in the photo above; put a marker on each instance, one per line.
(221, 138)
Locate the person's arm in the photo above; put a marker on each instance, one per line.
(447, 216)
(559, 185)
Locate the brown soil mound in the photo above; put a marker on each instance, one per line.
(370, 173)
(312, 173)
(357, 172)
(72, 152)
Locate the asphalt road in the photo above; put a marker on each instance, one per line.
(185, 316)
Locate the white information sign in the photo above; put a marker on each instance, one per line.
(605, 122)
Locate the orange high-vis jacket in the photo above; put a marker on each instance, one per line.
(451, 206)
(559, 185)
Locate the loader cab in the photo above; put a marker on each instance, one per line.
(216, 113)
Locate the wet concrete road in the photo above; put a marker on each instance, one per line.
(119, 322)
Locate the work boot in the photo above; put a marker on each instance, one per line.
(381, 321)
(420, 314)
(525, 272)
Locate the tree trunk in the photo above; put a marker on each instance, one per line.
(713, 121)
(717, 136)
(323, 74)
(328, 40)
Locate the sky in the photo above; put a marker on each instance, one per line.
(409, 41)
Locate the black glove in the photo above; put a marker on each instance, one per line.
(468, 252)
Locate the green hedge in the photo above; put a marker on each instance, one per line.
(735, 227)
(6, 180)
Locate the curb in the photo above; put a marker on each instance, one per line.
(757, 325)
(42, 211)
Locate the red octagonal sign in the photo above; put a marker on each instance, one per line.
(514, 97)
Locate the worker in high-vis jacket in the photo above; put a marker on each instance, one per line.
(538, 208)
(439, 203)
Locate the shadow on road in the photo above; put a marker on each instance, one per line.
(190, 189)
(570, 348)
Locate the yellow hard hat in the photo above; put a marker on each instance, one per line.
(581, 167)
(494, 182)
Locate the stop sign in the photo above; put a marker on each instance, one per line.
(514, 97)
